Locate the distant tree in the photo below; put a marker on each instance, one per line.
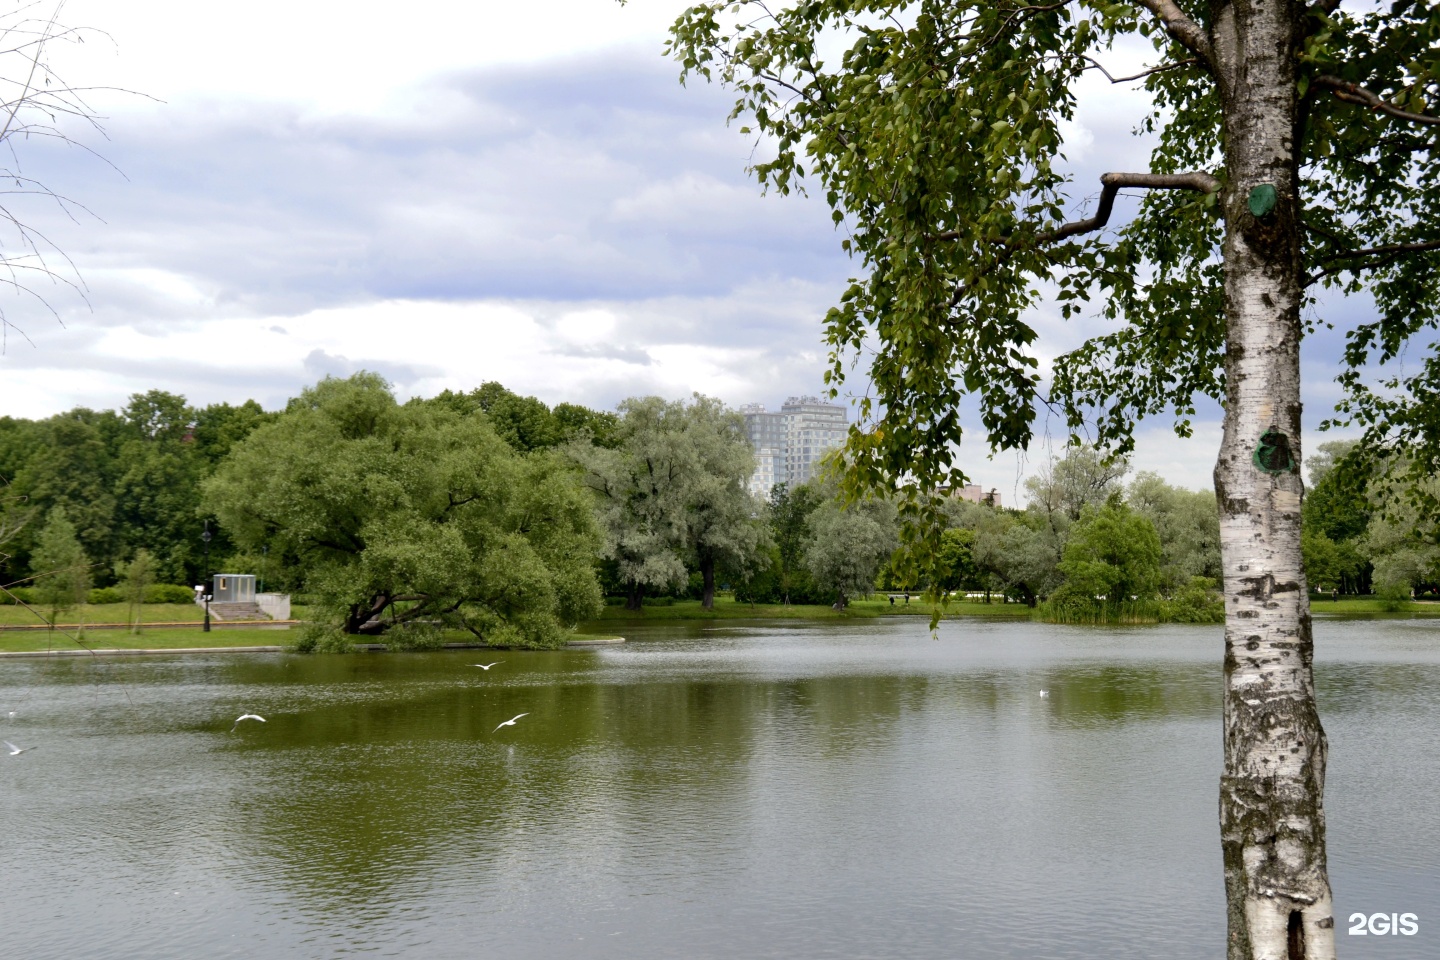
(1400, 538)
(848, 546)
(577, 422)
(61, 569)
(1188, 523)
(136, 576)
(396, 515)
(790, 510)
(955, 564)
(73, 466)
(673, 495)
(1113, 554)
(220, 426)
(1082, 478)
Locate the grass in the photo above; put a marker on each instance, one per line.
(104, 615)
(726, 608)
(1372, 607)
(166, 639)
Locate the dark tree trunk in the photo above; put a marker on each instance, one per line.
(634, 595)
(707, 574)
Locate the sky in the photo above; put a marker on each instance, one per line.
(448, 193)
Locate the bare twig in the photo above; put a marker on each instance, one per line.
(1164, 67)
(1111, 183)
(1387, 254)
(1354, 93)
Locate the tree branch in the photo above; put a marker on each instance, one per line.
(1354, 93)
(1388, 254)
(1111, 183)
(1176, 65)
(1185, 31)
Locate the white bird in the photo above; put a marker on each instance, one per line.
(487, 666)
(247, 716)
(511, 721)
(14, 750)
(1044, 693)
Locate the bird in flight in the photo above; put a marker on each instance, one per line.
(247, 716)
(511, 721)
(16, 751)
(487, 666)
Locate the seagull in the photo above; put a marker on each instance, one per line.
(247, 716)
(1044, 693)
(511, 721)
(16, 751)
(487, 666)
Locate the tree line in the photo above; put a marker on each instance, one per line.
(494, 513)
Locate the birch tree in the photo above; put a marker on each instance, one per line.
(1292, 152)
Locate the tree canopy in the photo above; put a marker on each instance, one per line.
(393, 515)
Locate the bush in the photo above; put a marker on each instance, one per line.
(321, 638)
(169, 593)
(1196, 602)
(18, 595)
(1393, 596)
(105, 595)
(414, 636)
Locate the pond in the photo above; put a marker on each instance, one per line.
(705, 790)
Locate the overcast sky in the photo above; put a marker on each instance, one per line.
(447, 193)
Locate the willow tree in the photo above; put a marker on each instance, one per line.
(1289, 151)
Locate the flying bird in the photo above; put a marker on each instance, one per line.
(247, 716)
(16, 751)
(511, 721)
(487, 666)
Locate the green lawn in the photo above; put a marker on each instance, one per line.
(163, 639)
(726, 608)
(114, 613)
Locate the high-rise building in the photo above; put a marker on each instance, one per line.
(790, 444)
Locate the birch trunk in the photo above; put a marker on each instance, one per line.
(1272, 819)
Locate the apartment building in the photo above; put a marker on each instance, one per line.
(790, 443)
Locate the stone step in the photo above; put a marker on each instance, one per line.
(237, 611)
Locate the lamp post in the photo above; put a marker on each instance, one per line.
(205, 536)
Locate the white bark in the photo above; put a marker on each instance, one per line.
(1271, 811)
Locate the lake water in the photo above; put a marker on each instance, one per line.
(704, 791)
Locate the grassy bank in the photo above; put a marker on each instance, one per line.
(113, 615)
(726, 608)
(169, 638)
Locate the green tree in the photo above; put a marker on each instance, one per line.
(393, 516)
(136, 576)
(62, 571)
(1288, 153)
(848, 546)
(1400, 539)
(673, 495)
(956, 568)
(790, 510)
(1112, 554)
(1188, 523)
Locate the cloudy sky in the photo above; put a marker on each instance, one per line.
(446, 193)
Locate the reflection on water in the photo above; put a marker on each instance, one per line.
(704, 791)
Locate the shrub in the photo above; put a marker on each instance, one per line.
(18, 595)
(1196, 602)
(1393, 596)
(105, 595)
(414, 636)
(169, 593)
(321, 638)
